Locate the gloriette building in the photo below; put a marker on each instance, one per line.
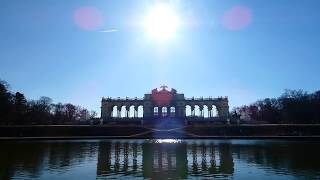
(164, 104)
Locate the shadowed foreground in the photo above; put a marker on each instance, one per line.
(149, 132)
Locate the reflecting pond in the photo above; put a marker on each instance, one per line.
(160, 159)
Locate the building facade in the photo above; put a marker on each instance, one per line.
(164, 103)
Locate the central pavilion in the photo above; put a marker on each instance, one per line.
(164, 104)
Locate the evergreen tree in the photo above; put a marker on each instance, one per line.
(6, 105)
(20, 104)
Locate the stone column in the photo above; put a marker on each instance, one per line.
(180, 109)
(219, 111)
(135, 111)
(147, 109)
(209, 111)
(192, 111)
(118, 111)
(201, 111)
(111, 113)
(127, 111)
(223, 112)
(106, 109)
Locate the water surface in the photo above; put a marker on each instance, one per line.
(160, 159)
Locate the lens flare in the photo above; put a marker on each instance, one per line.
(88, 18)
(237, 18)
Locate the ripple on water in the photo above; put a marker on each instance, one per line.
(160, 159)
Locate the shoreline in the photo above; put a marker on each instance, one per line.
(181, 138)
(65, 132)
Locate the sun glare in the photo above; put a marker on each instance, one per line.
(161, 22)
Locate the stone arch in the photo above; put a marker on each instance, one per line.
(214, 111)
(205, 111)
(131, 111)
(156, 111)
(140, 111)
(196, 111)
(188, 110)
(114, 111)
(123, 112)
(172, 111)
(164, 111)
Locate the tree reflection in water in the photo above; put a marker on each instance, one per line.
(159, 159)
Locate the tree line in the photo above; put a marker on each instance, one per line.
(15, 109)
(292, 107)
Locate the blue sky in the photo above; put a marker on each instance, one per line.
(44, 52)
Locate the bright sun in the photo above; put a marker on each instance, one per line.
(161, 22)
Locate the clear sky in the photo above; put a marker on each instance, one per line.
(79, 51)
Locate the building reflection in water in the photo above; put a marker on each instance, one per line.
(186, 159)
(119, 158)
(164, 160)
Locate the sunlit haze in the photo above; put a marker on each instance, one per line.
(161, 22)
(80, 51)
